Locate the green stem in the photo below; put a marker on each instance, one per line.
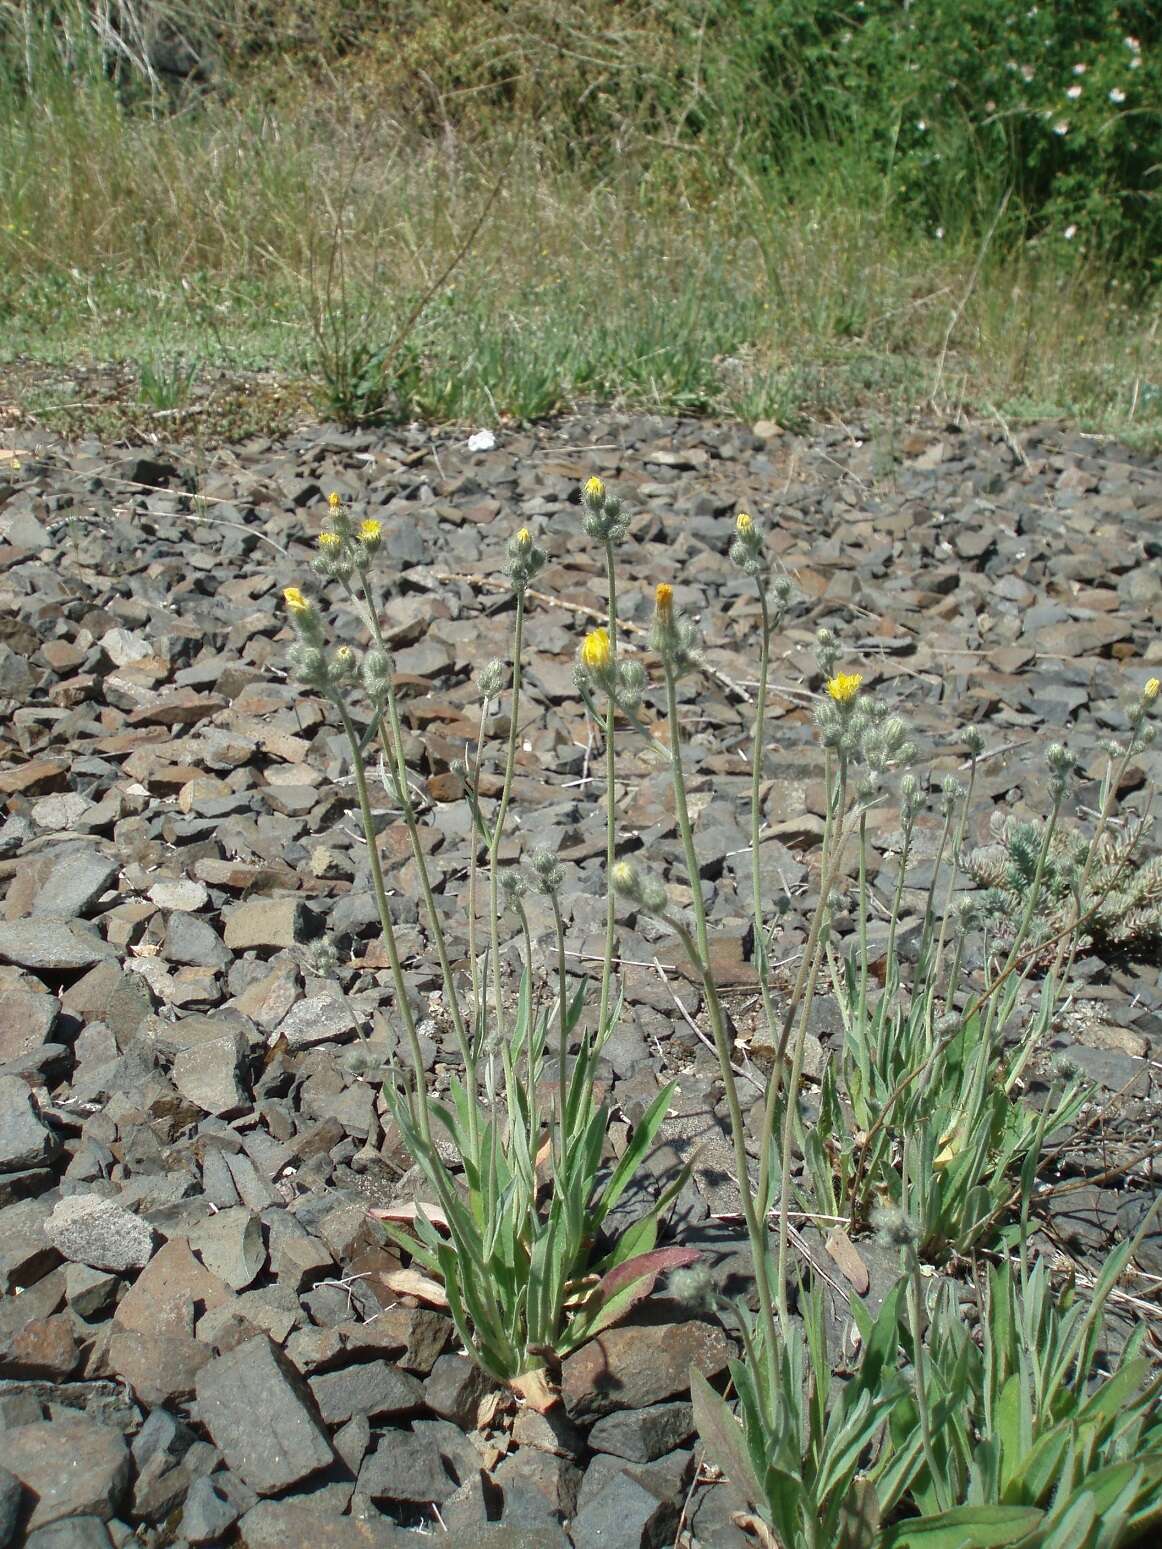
(610, 811)
(563, 1015)
(919, 1366)
(385, 922)
(502, 812)
(756, 775)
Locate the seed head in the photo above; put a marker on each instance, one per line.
(844, 687)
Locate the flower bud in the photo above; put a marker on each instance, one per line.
(490, 680)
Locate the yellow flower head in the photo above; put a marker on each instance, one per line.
(1151, 691)
(595, 650)
(524, 538)
(844, 687)
(330, 542)
(295, 600)
(743, 525)
(594, 488)
(623, 876)
(664, 600)
(334, 500)
(370, 531)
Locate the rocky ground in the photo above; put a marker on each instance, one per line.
(198, 1341)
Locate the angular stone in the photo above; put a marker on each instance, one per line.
(255, 1380)
(637, 1365)
(45, 1348)
(75, 882)
(73, 1468)
(280, 1524)
(627, 1511)
(25, 1254)
(11, 1499)
(454, 1389)
(319, 1019)
(52, 943)
(208, 1074)
(374, 1389)
(175, 1279)
(407, 1466)
(25, 1139)
(28, 1014)
(90, 1229)
(267, 922)
(643, 1434)
(71, 1533)
(229, 1244)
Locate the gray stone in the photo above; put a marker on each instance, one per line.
(256, 1380)
(454, 1389)
(374, 1389)
(208, 1074)
(319, 1019)
(282, 1524)
(643, 1434)
(229, 1244)
(628, 1513)
(28, 1014)
(52, 943)
(11, 1498)
(90, 1229)
(213, 1505)
(89, 1291)
(637, 1365)
(71, 1533)
(25, 1139)
(75, 1467)
(268, 922)
(194, 941)
(179, 893)
(75, 882)
(25, 1254)
(419, 1465)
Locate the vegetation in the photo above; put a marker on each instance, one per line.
(465, 211)
(972, 1416)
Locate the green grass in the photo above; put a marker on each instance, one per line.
(672, 278)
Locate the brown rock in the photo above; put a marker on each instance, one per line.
(632, 1367)
(161, 1366)
(172, 1278)
(73, 1468)
(44, 1347)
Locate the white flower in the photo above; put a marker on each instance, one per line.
(1070, 233)
(1117, 95)
(1060, 127)
(1080, 69)
(1135, 62)
(940, 233)
(1133, 45)
(1073, 93)
(921, 124)
(1027, 72)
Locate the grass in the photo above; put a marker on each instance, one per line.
(217, 234)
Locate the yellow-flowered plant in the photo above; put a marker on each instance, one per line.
(844, 687)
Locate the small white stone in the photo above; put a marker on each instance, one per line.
(180, 893)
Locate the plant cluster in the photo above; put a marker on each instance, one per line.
(933, 1438)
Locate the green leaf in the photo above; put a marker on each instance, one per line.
(643, 1138)
(723, 1438)
(965, 1527)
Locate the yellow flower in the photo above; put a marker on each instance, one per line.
(330, 542)
(370, 531)
(334, 500)
(595, 651)
(664, 599)
(524, 538)
(295, 600)
(743, 524)
(1151, 691)
(594, 488)
(844, 687)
